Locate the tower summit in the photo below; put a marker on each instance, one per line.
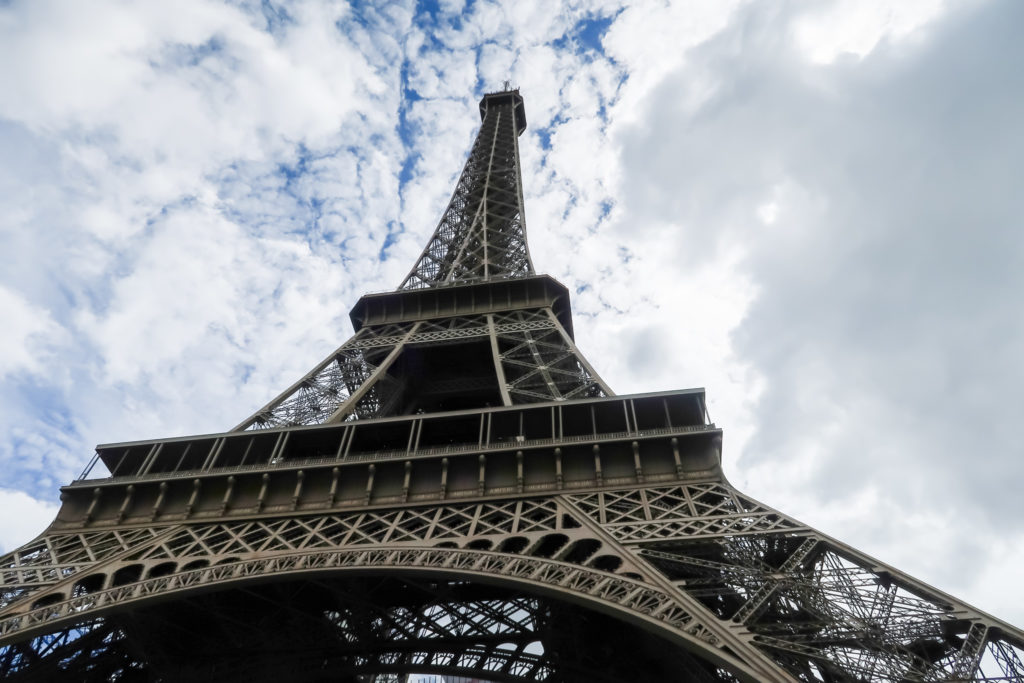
(471, 326)
(482, 234)
(456, 491)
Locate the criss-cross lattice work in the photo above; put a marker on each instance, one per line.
(543, 365)
(482, 234)
(533, 359)
(694, 510)
(719, 567)
(390, 527)
(353, 376)
(55, 557)
(481, 238)
(820, 610)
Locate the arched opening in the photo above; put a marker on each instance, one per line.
(373, 626)
(580, 551)
(606, 563)
(47, 600)
(88, 584)
(549, 545)
(514, 545)
(195, 564)
(479, 544)
(125, 575)
(162, 569)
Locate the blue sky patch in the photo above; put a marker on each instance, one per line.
(590, 31)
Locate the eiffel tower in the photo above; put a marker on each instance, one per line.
(456, 492)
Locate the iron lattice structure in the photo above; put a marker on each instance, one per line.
(456, 492)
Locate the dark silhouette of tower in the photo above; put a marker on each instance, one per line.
(455, 491)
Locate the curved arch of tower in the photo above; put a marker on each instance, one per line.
(455, 491)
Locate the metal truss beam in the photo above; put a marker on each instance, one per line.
(722, 574)
(534, 359)
(482, 234)
(701, 561)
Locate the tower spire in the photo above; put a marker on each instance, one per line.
(482, 233)
(499, 334)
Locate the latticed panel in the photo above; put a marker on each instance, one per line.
(389, 527)
(52, 558)
(518, 321)
(454, 328)
(482, 232)
(540, 363)
(538, 360)
(318, 395)
(444, 632)
(450, 329)
(823, 612)
(692, 510)
(862, 623)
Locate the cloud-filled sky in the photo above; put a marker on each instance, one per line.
(812, 208)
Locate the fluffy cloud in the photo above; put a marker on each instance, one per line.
(871, 201)
(177, 181)
(25, 325)
(32, 517)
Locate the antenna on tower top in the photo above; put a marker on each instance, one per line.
(506, 85)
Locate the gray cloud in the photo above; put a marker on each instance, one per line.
(886, 327)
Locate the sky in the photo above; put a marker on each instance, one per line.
(811, 208)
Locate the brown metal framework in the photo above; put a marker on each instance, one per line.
(482, 234)
(455, 491)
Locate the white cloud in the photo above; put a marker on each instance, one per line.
(163, 170)
(652, 39)
(880, 330)
(22, 519)
(855, 27)
(28, 336)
